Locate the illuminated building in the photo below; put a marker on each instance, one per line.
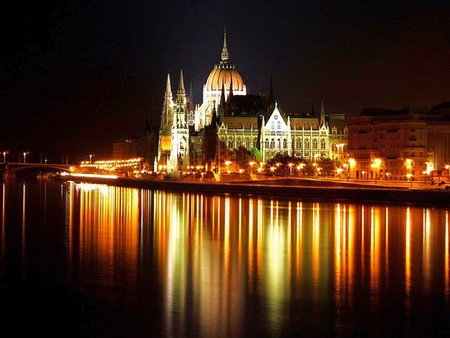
(230, 118)
(126, 148)
(409, 143)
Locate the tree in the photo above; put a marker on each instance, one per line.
(241, 156)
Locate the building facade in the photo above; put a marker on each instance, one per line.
(399, 144)
(229, 119)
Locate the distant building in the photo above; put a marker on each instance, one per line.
(399, 144)
(126, 148)
(229, 118)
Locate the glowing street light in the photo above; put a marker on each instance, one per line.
(376, 164)
(90, 157)
(290, 168)
(272, 169)
(25, 153)
(227, 163)
(251, 163)
(300, 168)
(4, 155)
(409, 176)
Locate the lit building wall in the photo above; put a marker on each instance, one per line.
(126, 148)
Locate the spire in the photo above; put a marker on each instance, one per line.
(270, 99)
(322, 115)
(181, 84)
(222, 102)
(225, 55)
(168, 89)
(214, 119)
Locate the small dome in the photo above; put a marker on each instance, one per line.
(226, 74)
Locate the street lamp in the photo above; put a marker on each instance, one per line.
(315, 165)
(227, 163)
(272, 169)
(409, 177)
(4, 155)
(25, 153)
(376, 164)
(90, 157)
(290, 168)
(300, 168)
(251, 163)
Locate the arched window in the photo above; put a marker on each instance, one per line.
(322, 144)
(314, 144)
(272, 144)
(307, 144)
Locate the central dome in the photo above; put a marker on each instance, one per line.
(224, 74)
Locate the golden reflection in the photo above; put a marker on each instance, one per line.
(276, 264)
(3, 218)
(251, 234)
(24, 213)
(363, 254)
(375, 252)
(447, 255)
(298, 241)
(426, 265)
(108, 227)
(351, 252)
(408, 252)
(212, 252)
(386, 236)
(316, 244)
(337, 248)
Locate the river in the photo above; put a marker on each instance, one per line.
(87, 260)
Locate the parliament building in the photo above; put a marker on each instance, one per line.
(230, 118)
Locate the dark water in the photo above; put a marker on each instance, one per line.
(99, 261)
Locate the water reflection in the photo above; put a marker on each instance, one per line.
(227, 266)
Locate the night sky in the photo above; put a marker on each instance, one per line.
(75, 75)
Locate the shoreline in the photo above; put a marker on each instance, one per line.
(319, 190)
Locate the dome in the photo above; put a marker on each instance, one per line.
(226, 74)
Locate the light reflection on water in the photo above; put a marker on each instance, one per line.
(232, 266)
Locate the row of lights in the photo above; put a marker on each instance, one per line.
(25, 153)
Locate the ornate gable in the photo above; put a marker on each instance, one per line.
(276, 122)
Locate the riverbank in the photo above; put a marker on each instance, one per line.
(319, 190)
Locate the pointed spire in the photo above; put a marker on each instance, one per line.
(181, 84)
(271, 97)
(168, 89)
(225, 55)
(322, 115)
(214, 119)
(261, 89)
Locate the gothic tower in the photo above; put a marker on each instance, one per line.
(173, 145)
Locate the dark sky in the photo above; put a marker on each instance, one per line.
(75, 75)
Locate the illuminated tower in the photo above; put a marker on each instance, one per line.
(173, 146)
(224, 75)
